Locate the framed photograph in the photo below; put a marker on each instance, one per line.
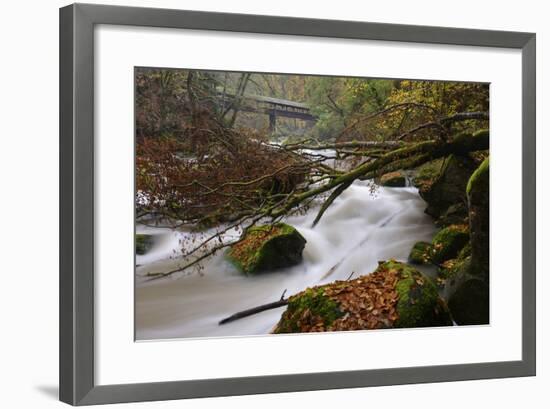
(245, 197)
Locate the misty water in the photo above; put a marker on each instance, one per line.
(358, 230)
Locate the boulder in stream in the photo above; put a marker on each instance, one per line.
(269, 247)
(393, 179)
(448, 242)
(144, 243)
(420, 253)
(395, 295)
(445, 193)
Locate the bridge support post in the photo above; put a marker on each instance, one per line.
(272, 122)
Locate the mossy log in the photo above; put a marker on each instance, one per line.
(407, 157)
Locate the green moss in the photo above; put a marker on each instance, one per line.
(420, 253)
(395, 295)
(309, 304)
(454, 268)
(266, 248)
(144, 243)
(427, 173)
(448, 189)
(455, 214)
(465, 252)
(482, 170)
(418, 303)
(448, 242)
(478, 201)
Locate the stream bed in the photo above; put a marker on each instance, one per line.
(359, 229)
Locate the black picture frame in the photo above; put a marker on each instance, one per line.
(77, 21)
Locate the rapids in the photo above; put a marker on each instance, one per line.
(357, 231)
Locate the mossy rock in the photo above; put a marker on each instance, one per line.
(269, 247)
(467, 275)
(467, 295)
(478, 200)
(420, 253)
(448, 188)
(479, 179)
(448, 242)
(455, 214)
(469, 303)
(419, 304)
(311, 307)
(452, 268)
(393, 179)
(144, 243)
(395, 295)
(426, 174)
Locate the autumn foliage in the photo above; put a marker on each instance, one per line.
(224, 176)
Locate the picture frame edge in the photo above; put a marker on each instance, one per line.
(76, 220)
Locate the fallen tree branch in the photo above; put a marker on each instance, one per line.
(352, 144)
(251, 311)
(337, 192)
(421, 152)
(440, 124)
(406, 157)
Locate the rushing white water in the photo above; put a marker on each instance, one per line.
(357, 231)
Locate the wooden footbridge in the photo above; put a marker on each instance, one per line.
(274, 107)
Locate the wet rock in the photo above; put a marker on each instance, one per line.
(455, 214)
(419, 303)
(309, 311)
(395, 295)
(467, 284)
(448, 242)
(394, 179)
(469, 302)
(269, 247)
(420, 253)
(448, 189)
(426, 174)
(452, 267)
(478, 200)
(144, 243)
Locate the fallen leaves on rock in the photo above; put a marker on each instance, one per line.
(368, 302)
(246, 248)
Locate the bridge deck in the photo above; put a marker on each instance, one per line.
(278, 101)
(274, 107)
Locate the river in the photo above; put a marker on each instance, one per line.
(357, 231)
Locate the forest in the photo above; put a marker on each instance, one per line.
(277, 203)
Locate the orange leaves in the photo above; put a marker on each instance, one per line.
(369, 302)
(252, 242)
(207, 183)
